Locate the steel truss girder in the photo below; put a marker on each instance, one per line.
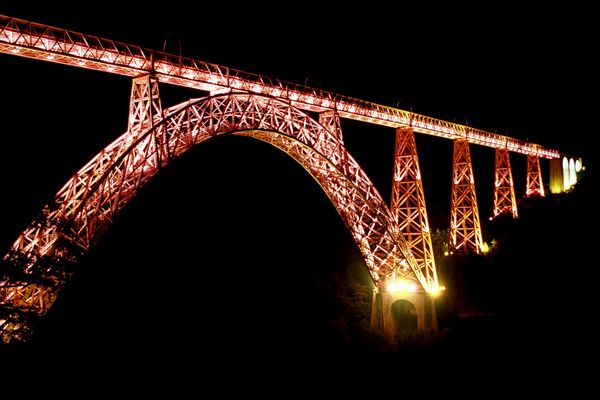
(465, 227)
(535, 186)
(86, 205)
(504, 188)
(408, 203)
(50, 44)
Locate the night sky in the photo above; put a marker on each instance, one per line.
(235, 221)
(503, 69)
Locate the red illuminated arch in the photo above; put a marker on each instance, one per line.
(86, 206)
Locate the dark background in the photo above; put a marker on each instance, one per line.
(225, 259)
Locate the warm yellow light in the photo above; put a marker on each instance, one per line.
(403, 286)
(435, 291)
(485, 248)
(446, 253)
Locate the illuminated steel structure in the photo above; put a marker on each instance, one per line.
(40, 260)
(46, 43)
(465, 227)
(535, 187)
(504, 189)
(408, 203)
(87, 204)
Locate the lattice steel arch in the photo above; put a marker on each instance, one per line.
(85, 207)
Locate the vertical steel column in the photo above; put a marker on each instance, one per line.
(535, 186)
(144, 104)
(465, 227)
(331, 121)
(144, 107)
(504, 188)
(408, 204)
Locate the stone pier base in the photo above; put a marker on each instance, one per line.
(393, 313)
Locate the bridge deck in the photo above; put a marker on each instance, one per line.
(28, 39)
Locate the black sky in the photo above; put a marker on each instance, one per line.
(521, 72)
(498, 66)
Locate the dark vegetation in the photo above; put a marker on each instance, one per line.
(181, 295)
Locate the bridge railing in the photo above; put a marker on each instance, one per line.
(47, 43)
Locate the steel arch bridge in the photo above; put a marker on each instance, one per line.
(87, 204)
(395, 242)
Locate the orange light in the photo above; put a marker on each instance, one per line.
(402, 286)
(437, 290)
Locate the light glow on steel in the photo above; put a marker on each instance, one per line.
(408, 203)
(535, 186)
(465, 227)
(402, 286)
(70, 48)
(395, 243)
(505, 201)
(436, 291)
(87, 204)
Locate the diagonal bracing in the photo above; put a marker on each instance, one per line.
(28, 39)
(408, 203)
(504, 188)
(535, 186)
(465, 227)
(88, 204)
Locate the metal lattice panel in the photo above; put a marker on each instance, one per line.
(504, 188)
(535, 186)
(29, 39)
(408, 203)
(144, 105)
(465, 227)
(86, 206)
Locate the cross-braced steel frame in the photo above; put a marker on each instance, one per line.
(41, 259)
(86, 206)
(50, 44)
(504, 188)
(535, 186)
(144, 104)
(408, 202)
(465, 227)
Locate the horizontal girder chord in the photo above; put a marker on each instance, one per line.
(28, 39)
